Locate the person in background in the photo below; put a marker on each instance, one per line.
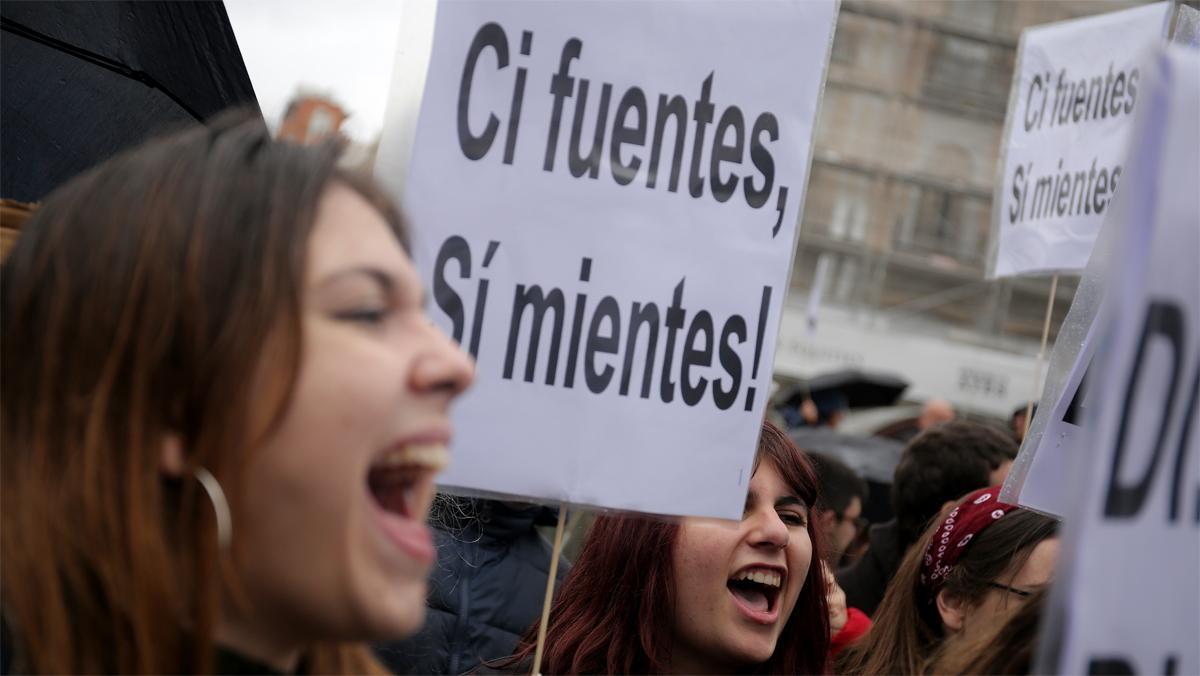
(935, 412)
(839, 518)
(831, 407)
(959, 583)
(936, 468)
(1020, 423)
(846, 624)
(486, 589)
(698, 595)
(839, 510)
(1008, 648)
(825, 408)
(223, 409)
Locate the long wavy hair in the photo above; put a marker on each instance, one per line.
(1007, 648)
(906, 632)
(615, 611)
(157, 294)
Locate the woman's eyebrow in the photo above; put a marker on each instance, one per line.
(791, 501)
(386, 282)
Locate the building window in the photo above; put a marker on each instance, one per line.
(845, 46)
(968, 76)
(838, 203)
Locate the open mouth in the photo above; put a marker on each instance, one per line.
(757, 589)
(394, 477)
(400, 482)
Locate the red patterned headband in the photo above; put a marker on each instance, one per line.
(976, 512)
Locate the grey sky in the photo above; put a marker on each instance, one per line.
(342, 48)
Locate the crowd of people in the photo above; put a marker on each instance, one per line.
(224, 407)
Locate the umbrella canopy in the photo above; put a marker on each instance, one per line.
(861, 389)
(82, 81)
(872, 458)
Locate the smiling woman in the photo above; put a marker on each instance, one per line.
(216, 362)
(699, 595)
(973, 565)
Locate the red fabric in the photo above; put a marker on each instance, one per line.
(976, 512)
(857, 624)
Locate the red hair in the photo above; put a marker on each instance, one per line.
(615, 611)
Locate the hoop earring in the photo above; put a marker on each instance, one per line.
(216, 496)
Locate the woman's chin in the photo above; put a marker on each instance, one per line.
(398, 613)
(754, 651)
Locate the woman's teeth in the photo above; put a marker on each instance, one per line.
(431, 456)
(397, 476)
(769, 579)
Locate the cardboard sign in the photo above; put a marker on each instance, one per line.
(1129, 593)
(1077, 86)
(606, 198)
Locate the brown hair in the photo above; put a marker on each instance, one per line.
(154, 295)
(615, 611)
(1007, 648)
(905, 630)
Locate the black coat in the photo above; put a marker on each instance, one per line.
(866, 580)
(485, 591)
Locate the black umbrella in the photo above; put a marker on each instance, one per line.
(872, 458)
(81, 81)
(862, 389)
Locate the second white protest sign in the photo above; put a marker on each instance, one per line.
(1073, 96)
(605, 199)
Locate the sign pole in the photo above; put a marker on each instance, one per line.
(541, 637)
(1037, 374)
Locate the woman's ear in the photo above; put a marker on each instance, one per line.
(952, 610)
(170, 456)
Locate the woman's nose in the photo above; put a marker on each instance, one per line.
(443, 366)
(769, 530)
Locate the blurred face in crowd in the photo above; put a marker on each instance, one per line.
(935, 412)
(997, 476)
(845, 528)
(736, 583)
(1036, 572)
(1018, 426)
(330, 540)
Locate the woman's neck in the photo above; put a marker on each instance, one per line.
(684, 661)
(251, 641)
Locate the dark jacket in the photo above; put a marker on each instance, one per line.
(867, 579)
(485, 591)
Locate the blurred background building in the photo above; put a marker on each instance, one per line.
(896, 225)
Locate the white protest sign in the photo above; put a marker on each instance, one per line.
(1128, 600)
(1077, 85)
(1060, 448)
(1041, 477)
(605, 199)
